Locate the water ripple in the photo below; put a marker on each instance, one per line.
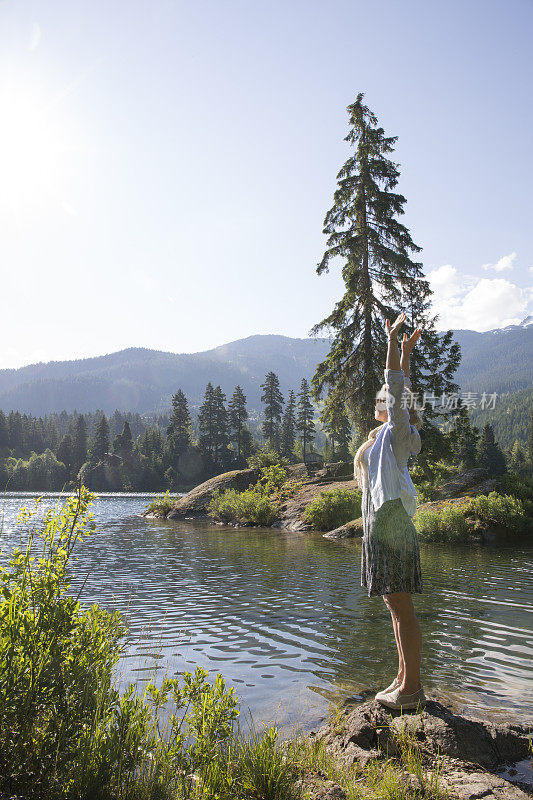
(283, 616)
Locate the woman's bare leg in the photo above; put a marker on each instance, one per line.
(401, 665)
(409, 638)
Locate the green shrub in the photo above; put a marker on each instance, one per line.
(455, 521)
(272, 479)
(266, 457)
(333, 508)
(162, 505)
(256, 505)
(444, 525)
(498, 509)
(250, 507)
(65, 730)
(520, 486)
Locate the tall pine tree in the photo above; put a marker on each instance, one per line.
(273, 400)
(4, 433)
(100, 441)
(304, 419)
(79, 443)
(288, 428)
(16, 441)
(207, 424)
(123, 444)
(65, 452)
(179, 428)
(237, 418)
(380, 279)
(337, 426)
(221, 452)
(464, 439)
(489, 452)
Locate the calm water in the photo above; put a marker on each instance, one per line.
(283, 616)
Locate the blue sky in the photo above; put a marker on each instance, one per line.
(166, 167)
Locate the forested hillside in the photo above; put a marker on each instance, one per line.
(510, 418)
(496, 361)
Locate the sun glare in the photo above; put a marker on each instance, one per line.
(34, 152)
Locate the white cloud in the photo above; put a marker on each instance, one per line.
(445, 281)
(35, 37)
(477, 304)
(505, 262)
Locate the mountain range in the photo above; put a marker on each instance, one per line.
(143, 380)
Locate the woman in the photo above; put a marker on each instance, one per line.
(390, 560)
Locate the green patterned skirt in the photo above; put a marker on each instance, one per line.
(390, 556)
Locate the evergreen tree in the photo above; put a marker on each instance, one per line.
(100, 441)
(116, 423)
(4, 432)
(207, 423)
(248, 445)
(288, 428)
(179, 427)
(273, 400)
(65, 452)
(221, 452)
(51, 434)
(490, 455)
(304, 419)
(79, 443)
(15, 432)
(464, 439)
(380, 278)
(517, 457)
(337, 426)
(123, 444)
(530, 441)
(237, 418)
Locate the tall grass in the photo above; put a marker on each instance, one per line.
(408, 775)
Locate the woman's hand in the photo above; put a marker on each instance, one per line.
(408, 343)
(395, 327)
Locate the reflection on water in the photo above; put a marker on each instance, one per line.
(284, 618)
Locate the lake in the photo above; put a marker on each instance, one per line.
(283, 616)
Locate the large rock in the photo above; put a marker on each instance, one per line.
(347, 531)
(194, 503)
(292, 510)
(474, 749)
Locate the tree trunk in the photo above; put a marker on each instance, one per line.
(365, 415)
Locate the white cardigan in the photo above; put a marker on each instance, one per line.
(387, 458)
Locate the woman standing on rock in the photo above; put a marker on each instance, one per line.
(390, 560)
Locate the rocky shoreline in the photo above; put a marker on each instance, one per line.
(471, 756)
(193, 505)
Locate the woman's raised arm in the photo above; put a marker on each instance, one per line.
(393, 354)
(395, 379)
(408, 344)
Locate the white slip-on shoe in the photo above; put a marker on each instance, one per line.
(393, 685)
(398, 700)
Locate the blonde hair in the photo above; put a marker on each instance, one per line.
(358, 463)
(415, 418)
